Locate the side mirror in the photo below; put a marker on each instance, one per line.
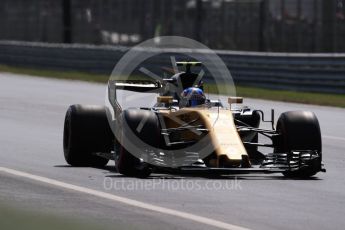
(165, 99)
(235, 100)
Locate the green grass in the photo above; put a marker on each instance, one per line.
(337, 100)
(70, 75)
(19, 218)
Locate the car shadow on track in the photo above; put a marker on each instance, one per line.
(221, 177)
(111, 173)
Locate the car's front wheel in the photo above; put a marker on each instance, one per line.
(300, 130)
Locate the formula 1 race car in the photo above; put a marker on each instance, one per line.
(184, 132)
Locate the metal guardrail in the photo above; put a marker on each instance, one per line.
(292, 71)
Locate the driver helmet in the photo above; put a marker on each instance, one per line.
(193, 96)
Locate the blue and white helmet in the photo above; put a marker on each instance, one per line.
(192, 96)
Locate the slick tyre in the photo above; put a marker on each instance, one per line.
(86, 131)
(300, 130)
(128, 164)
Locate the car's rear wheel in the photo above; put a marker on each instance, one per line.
(138, 127)
(86, 131)
(300, 130)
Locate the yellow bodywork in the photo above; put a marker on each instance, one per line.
(222, 132)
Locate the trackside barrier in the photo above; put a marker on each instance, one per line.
(292, 71)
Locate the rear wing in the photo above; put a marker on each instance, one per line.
(136, 85)
(143, 86)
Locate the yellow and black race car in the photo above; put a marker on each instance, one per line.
(187, 132)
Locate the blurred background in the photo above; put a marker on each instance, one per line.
(294, 45)
(247, 25)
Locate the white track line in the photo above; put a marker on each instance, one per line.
(334, 138)
(127, 201)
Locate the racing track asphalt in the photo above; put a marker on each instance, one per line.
(31, 123)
